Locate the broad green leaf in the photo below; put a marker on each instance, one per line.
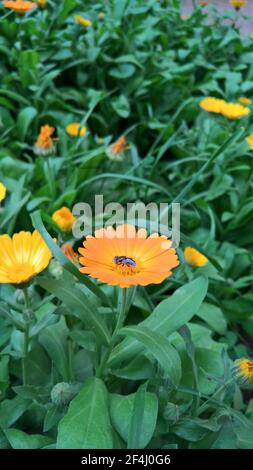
(21, 440)
(54, 340)
(213, 316)
(24, 120)
(11, 410)
(121, 410)
(87, 422)
(78, 304)
(168, 316)
(160, 348)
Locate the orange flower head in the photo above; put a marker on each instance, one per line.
(69, 252)
(19, 6)
(22, 257)
(45, 142)
(116, 150)
(212, 105)
(64, 219)
(127, 257)
(194, 257)
(234, 111)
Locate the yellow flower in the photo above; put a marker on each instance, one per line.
(22, 257)
(127, 257)
(41, 3)
(82, 21)
(64, 219)
(212, 105)
(2, 192)
(237, 4)
(194, 257)
(19, 6)
(45, 142)
(234, 110)
(250, 140)
(244, 369)
(244, 101)
(75, 130)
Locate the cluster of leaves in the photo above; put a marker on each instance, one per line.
(140, 70)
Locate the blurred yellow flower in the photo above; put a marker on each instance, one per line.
(194, 257)
(234, 110)
(244, 101)
(22, 257)
(74, 129)
(237, 4)
(41, 3)
(19, 6)
(64, 219)
(82, 21)
(212, 105)
(244, 369)
(101, 15)
(2, 191)
(45, 142)
(250, 140)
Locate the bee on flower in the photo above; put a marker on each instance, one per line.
(116, 150)
(194, 257)
(64, 219)
(45, 142)
(19, 6)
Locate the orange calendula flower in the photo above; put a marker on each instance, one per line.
(126, 257)
(244, 101)
(194, 257)
(45, 142)
(244, 369)
(69, 252)
(234, 111)
(22, 257)
(237, 4)
(82, 21)
(2, 192)
(64, 219)
(74, 129)
(212, 105)
(250, 140)
(19, 6)
(116, 150)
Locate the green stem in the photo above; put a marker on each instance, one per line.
(206, 405)
(119, 324)
(26, 337)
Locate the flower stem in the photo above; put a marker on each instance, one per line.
(119, 324)
(26, 337)
(206, 405)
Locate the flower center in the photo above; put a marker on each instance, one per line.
(125, 265)
(20, 272)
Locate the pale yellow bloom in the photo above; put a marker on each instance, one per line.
(237, 4)
(244, 101)
(194, 257)
(244, 369)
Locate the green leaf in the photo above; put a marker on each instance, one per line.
(121, 410)
(24, 120)
(87, 422)
(213, 316)
(159, 346)
(168, 316)
(54, 340)
(21, 440)
(11, 410)
(78, 304)
(65, 262)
